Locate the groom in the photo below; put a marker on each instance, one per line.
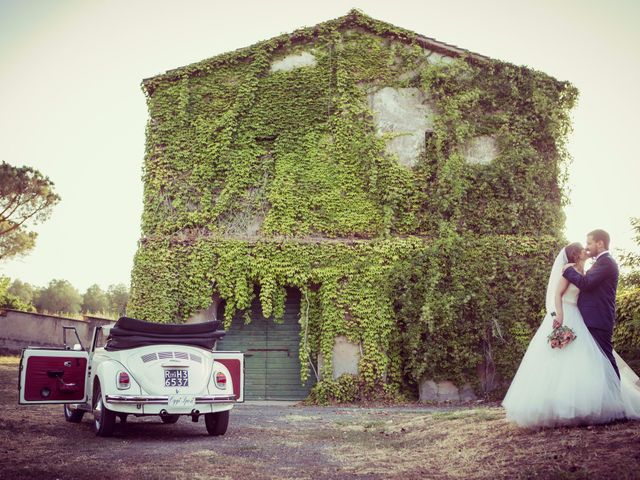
(597, 299)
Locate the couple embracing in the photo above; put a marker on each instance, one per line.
(584, 382)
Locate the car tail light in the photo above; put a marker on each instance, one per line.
(123, 381)
(220, 380)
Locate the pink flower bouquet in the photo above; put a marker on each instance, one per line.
(561, 336)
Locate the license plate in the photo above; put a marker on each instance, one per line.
(182, 401)
(176, 378)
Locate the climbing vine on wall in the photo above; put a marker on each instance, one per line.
(255, 177)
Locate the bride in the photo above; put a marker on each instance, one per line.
(574, 385)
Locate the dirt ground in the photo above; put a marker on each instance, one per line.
(294, 442)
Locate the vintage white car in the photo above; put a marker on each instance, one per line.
(138, 368)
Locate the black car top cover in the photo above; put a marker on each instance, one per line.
(131, 333)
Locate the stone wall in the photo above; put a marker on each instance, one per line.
(22, 329)
(445, 391)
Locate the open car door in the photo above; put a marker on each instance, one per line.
(49, 375)
(234, 361)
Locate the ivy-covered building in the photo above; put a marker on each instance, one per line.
(354, 188)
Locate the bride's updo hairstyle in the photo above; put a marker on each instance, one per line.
(573, 251)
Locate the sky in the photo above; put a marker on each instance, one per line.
(71, 104)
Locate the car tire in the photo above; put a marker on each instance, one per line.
(104, 419)
(73, 415)
(169, 418)
(217, 422)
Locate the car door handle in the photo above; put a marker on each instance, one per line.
(67, 387)
(63, 387)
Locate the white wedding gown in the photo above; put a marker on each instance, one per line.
(575, 385)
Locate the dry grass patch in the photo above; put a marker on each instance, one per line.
(302, 418)
(480, 444)
(9, 360)
(378, 443)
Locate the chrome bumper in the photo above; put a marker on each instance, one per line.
(164, 399)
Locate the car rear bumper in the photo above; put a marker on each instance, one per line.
(164, 399)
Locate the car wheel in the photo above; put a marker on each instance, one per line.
(217, 422)
(72, 413)
(169, 418)
(103, 418)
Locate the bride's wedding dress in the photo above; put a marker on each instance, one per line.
(575, 385)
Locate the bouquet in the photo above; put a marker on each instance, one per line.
(561, 336)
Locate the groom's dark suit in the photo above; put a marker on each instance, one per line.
(597, 300)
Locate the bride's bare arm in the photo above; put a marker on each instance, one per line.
(560, 289)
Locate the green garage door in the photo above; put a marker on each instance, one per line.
(272, 365)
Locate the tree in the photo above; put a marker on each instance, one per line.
(9, 300)
(23, 290)
(118, 297)
(26, 196)
(631, 261)
(627, 329)
(58, 297)
(94, 300)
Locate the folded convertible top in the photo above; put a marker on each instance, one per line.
(131, 333)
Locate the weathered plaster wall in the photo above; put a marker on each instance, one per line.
(345, 357)
(291, 62)
(21, 329)
(406, 114)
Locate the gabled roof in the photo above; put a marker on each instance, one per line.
(354, 18)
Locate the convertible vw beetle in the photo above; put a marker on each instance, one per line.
(137, 368)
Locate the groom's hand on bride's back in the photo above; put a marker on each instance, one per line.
(568, 265)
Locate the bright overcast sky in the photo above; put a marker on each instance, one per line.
(71, 104)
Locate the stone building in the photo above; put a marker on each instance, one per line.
(302, 187)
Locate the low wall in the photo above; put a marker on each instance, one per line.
(21, 329)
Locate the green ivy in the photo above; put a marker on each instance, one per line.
(345, 389)
(278, 179)
(474, 302)
(626, 336)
